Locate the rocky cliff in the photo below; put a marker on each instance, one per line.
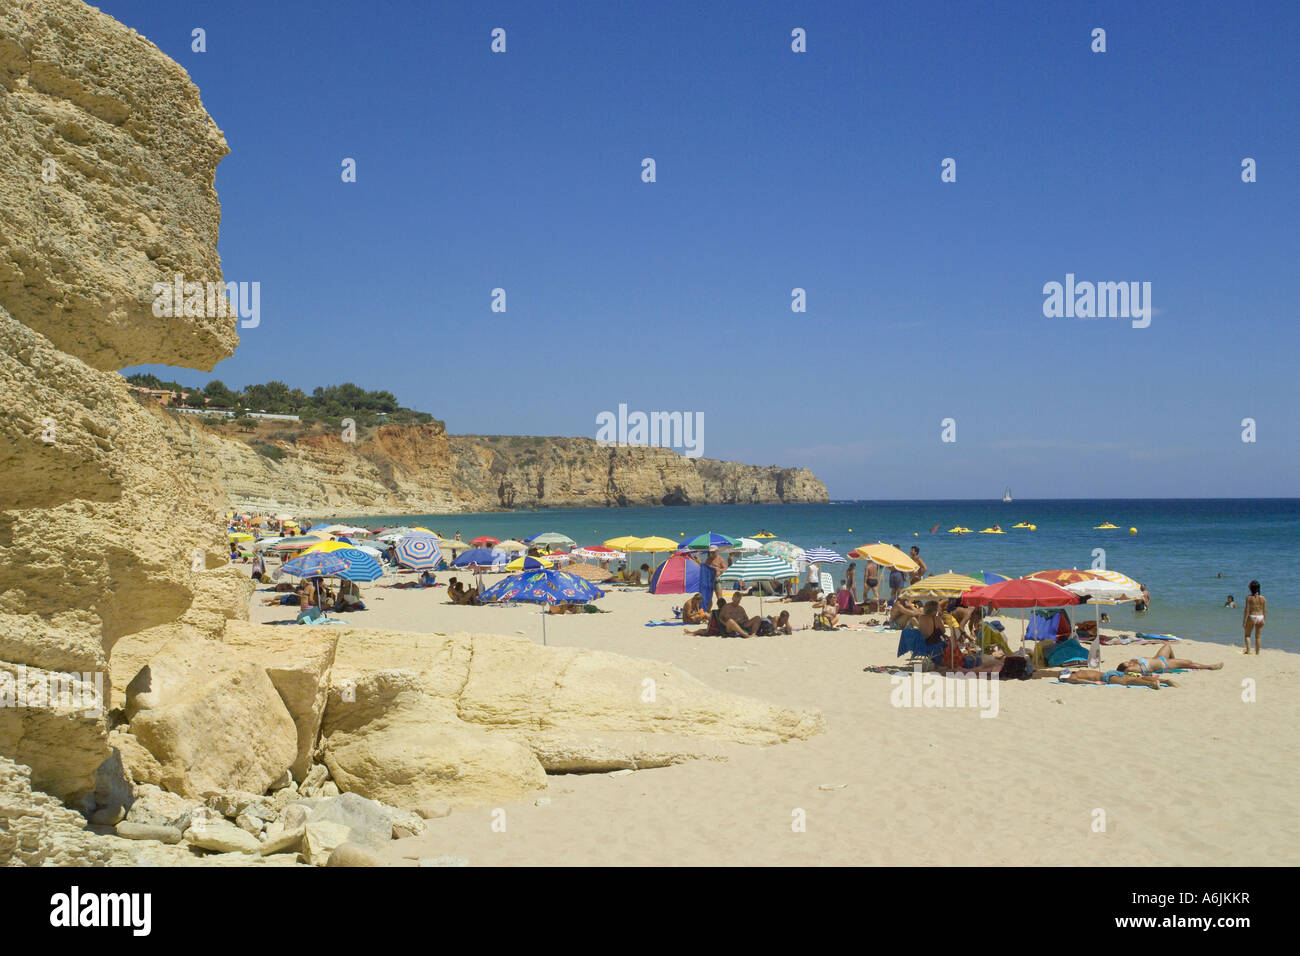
(420, 469)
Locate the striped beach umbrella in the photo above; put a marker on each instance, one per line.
(361, 566)
(315, 564)
(823, 556)
(598, 552)
(940, 586)
(417, 551)
(759, 567)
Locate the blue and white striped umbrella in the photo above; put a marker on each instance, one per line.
(316, 564)
(361, 566)
(418, 551)
(759, 567)
(823, 556)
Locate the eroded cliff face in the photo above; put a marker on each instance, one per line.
(419, 469)
(101, 525)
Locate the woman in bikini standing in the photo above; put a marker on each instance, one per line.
(1252, 615)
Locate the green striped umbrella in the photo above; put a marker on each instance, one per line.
(758, 568)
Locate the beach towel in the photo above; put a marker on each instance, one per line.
(663, 623)
(708, 581)
(1042, 626)
(912, 641)
(1067, 652)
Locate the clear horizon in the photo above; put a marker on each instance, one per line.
(778, 170)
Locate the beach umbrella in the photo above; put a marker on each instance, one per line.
(296, 543)
(598, 552)
(886, 555)
(748, 545)
(392, 534)
(417, 551)
(543, 587)
(590, 572)
(315, 564)
(1022, 593)
(621, 543)
(452, 545)
(553, 538)
(1062, 577)
(1019, 592)
(784, 550)
(652, 544)
(938, 586)
(263, 543)
(241, 536)
(990, 577)
(511, 546)
(707, 540)
(484, 541)
(361, 566)
(823, 556)
(1108, 587)
(759, 568)
(524, 563)
(680, 574)
(480, 556)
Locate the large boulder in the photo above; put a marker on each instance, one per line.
(211, 718)
(415, 719)
(386, 738)
(298, 661)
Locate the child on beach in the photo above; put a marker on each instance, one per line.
(1252, 615)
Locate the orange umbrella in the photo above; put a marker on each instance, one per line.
(1061, 577)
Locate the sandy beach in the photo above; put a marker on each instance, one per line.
(1062, 775)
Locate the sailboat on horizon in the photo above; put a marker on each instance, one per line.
(1006, 496)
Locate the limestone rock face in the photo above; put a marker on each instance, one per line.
(126, 200)
(464, 719)
(422, 469)
(109, 160)
(211, 718)
(298, 662)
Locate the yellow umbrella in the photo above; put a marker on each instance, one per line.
(622, 544)
(941, 586)
(425, 530)
(518, 563)
(329, 546)
(241, 536)
(885, 554)
(651, 544)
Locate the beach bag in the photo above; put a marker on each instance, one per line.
(822, 623)
(766, 628)
(1015, 668)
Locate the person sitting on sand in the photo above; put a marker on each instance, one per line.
(809, 592)
(349, 598)
(778, 625)
(734, 619)
(903, 613)
(715, 626)
(826, 615)
(930, 623)
(691, 613)
(1090, 676)
(1164, 660)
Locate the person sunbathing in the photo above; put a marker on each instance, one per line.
(826, 616)
(1090, 676)
(1164, 660)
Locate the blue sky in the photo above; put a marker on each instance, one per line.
(778, 170)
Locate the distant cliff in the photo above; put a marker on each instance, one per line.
(421, 469)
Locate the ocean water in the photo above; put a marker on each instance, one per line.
(1180, 548)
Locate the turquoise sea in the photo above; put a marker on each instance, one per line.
(1180, 548)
